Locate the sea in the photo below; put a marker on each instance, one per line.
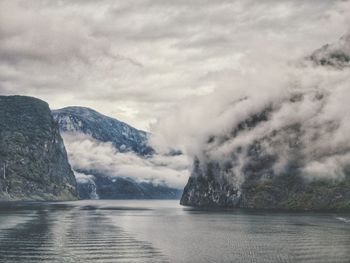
(105, 231)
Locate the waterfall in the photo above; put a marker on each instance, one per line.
(93, 194)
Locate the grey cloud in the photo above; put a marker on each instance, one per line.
(324, 139)
(86, 153)
(186, 70)
(148, 56)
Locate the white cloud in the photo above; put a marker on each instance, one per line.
(137, 61)
(83, 178)
(85, 153)
(186, 70)
(320, 113)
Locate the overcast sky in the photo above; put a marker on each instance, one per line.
(135, 60)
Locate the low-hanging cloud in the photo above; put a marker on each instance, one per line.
(88, 154)
(305, 122)
(188, 70)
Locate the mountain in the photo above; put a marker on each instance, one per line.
(213, 184)
(335, 55)
(292, 167)
(98, 184)
(102, 128)
(33, 159)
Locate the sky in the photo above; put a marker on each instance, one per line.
(187, 72)
(139, 60)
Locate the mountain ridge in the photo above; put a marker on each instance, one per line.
(103, 128)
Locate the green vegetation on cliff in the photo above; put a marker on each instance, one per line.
(33, 159)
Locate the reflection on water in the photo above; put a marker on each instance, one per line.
(64, 233)
(162, 231)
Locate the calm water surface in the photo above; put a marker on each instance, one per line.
(163, 231)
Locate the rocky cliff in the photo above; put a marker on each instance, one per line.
(290, 154)
(33, 159)
(257, 185)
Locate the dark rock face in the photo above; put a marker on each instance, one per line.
(336, 55)
(209, 189)
(257, 185)
(33, 159)
(87, 189)
(106, 187)
(103, 128)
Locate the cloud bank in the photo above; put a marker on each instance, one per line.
(297, 113)
(137, 60)
(188, 71)
(88, 154)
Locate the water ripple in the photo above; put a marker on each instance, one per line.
(73, 235)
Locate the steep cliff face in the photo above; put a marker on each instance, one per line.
(257, 184)
(33, 159)
(290, 154)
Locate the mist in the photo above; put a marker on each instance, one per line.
(188, 72)
(303, 107)
(136, 62)
(88, 154)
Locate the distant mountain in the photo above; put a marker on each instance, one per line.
(33, 159)
(97, 185)
(102, 128)
(93, 184)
